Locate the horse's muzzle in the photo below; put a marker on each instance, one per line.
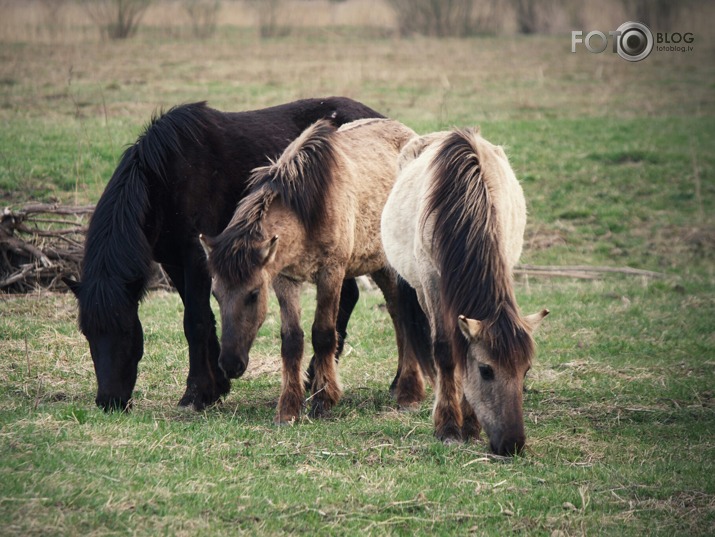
(111, 403)
(233, 367)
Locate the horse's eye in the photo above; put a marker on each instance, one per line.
(252, 297)
(486, 372)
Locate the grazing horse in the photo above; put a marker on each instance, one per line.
(183, 176)
(453, 227)
(312, 215)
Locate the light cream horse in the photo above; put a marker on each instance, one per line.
(453, 228)
(313, 215)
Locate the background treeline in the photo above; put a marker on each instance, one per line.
(52, 20)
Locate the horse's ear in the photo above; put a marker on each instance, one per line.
(73, 285)
(471, 329)
(534, 320)
(268, 251)
(206, 243)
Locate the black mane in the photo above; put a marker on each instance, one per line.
(117, 258)
(466, 243)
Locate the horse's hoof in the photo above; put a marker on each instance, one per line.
(284, 421)
(409, 407)
(319, 409)
(198, 403)
(449, 437)
(188, 399)
(200, 397)
(471, 433)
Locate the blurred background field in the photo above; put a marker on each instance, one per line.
(616, 162)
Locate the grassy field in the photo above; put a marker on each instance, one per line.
(616, 162)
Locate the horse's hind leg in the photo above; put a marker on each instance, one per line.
(408, 386)
(349, 295)
(326, 388)
(206, 383)
(291, 399)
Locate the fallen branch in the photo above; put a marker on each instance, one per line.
(38, 249)
(583, 271)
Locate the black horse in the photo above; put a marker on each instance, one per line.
(182, 177)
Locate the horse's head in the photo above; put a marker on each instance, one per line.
(494, 385)
(108, 318)
(242, 295)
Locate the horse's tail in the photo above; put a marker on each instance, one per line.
(303, 174)
(465, 241)
(117, 257)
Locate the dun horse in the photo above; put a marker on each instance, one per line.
(453, 227)
(183, 176)
(313, 215)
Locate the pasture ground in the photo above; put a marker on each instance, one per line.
(616, 162)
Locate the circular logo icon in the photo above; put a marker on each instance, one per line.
(635, 41)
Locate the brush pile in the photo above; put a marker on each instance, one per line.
(42, 243)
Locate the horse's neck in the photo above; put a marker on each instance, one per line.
(281, 222)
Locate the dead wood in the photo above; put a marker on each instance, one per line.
(42, 243)
(582, 271)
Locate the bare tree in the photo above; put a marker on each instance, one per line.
(439, 18)
(535, 16)
(203, 15)
(53, 16)
(447, 18)
(116, 19)
(657, 14)
(269, 23)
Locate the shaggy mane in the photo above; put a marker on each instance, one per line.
(117, 256)
(475, 279)
(301, 177)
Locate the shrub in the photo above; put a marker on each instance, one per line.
(447, 18)
(203, 15)
(116, 19)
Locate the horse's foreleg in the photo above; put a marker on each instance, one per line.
(447, 408)
(291, 399)
(326, 388)
(408, 386)
(205, 383)
(349, 295)
(470, 423)
(447, 412)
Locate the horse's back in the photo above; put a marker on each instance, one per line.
(408, 229)
(508, 199)
(370, 148)
(208, 171)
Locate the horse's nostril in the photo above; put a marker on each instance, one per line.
(233, 368)
(240, 369)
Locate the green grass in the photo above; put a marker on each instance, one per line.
(620, 411)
